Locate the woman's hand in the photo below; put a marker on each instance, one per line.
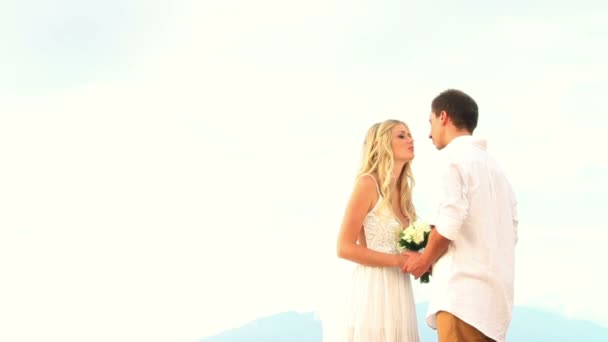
(416, 264)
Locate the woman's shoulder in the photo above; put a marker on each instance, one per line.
(367, 181)
(367, 185)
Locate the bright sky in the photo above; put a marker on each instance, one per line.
(172, 169)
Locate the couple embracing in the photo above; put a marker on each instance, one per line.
(470, 249)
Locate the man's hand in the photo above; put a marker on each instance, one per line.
(416, 264)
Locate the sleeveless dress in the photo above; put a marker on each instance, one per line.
(379, 303)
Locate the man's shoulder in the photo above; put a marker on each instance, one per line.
(461, 155)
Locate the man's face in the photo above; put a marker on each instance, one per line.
(436, 133)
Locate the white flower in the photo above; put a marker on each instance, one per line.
(421, 225)
(409, 233)
(419, 236)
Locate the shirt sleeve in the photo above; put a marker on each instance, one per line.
(514, 215)
(453, 204)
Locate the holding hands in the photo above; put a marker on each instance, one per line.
(416, 264)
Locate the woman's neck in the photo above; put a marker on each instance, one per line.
(397, 169)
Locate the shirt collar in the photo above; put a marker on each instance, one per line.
(470, 140)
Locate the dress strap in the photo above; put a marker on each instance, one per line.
(375, 182)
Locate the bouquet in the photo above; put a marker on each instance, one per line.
(414, 238)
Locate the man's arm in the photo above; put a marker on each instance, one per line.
(418, 264)
(451, 213)
(436, 247)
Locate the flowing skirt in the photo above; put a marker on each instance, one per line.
(377, 306)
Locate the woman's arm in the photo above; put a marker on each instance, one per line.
(360, 203)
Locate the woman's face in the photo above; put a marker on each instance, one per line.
(402, 143)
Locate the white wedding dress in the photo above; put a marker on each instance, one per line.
(377, 305)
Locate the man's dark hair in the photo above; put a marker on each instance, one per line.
(460, 107)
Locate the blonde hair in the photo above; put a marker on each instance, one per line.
(378, 158)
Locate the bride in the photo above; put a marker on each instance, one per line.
(379, 304)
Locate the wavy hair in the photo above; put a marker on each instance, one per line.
(378, 158)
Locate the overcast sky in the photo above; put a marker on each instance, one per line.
(172, 169)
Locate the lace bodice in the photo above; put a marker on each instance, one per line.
(381, 229)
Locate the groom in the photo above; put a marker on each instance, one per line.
(472, 244)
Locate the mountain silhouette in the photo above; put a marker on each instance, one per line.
(528, 325)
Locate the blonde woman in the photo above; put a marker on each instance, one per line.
(380, 305)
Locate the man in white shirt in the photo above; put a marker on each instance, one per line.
(472, 245)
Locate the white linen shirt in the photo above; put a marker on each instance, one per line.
(476, 210)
